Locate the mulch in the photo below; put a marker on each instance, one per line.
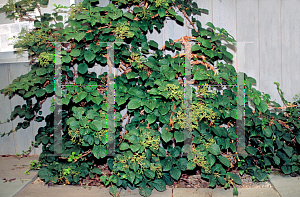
(186, 180)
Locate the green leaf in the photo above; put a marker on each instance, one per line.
(182, 164)
(211, 159)
(79, 97)
(37, 24)
(41, 71)
(168, 179)
(113, 190)
(163, 110)
(81, 16)
(82, 68)
(79, 36)
(268, 132)
(200, 75)
(159, 185)
(79, 80)
(131, 75)
(78, 112)
(97, 171)
(120, 100)
(263, 106)
(179, 18)
(256, 100)
(286, 169)
(289, 151)
(124, 146)
(171, 11)
(235, 191)
(214, 149)
(149, 173)
(59, 18)
(66, 59)
(135, 147)
(236, 179)
(59, 25)
(71, 120)
(261, 176)
(116, 14)
(91, 114)
(195, 47)
(251, 150)
(228, 55)
(179, 136)
(134, 103)
(98, 125)
(75, 52)
(221, 180)
(89, 55)
(133, 139)
(224, 161)
(151, 118)
(128, 15)
(145, 190)
(131, 176)
(153, 44)
(166, 135)
(99, 151)
(44, 2)
(40, 92)
(209, 24)
(161, 12)
(97, 100)
(151, 104)
(207, 44)
(106, 30)
(191, 166)
(137, 92)
(175, 173)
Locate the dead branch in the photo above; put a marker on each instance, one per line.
(124, 117)
(187, 18)
(183, 39)
(283, 107)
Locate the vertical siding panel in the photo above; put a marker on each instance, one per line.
(204, 18)
(173, 30)
(290, 20)
(7, 143)
(247, 31)
(22, 136)
(270, 47)
(103, 3)
(34, 126)
(157, 36)
(224, 16)
(273, 26)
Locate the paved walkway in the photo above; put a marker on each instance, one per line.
(19, 184)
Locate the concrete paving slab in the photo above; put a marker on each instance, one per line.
(9, 189)
(246, 192)
(155, 193)
(12, 174)
(220, 192)
(38, 190)
(286, 186)
(13, 167)
(192, 192)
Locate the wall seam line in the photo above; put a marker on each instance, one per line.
(258, 45)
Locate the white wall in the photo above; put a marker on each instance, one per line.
(12, 67)
(274, 55)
